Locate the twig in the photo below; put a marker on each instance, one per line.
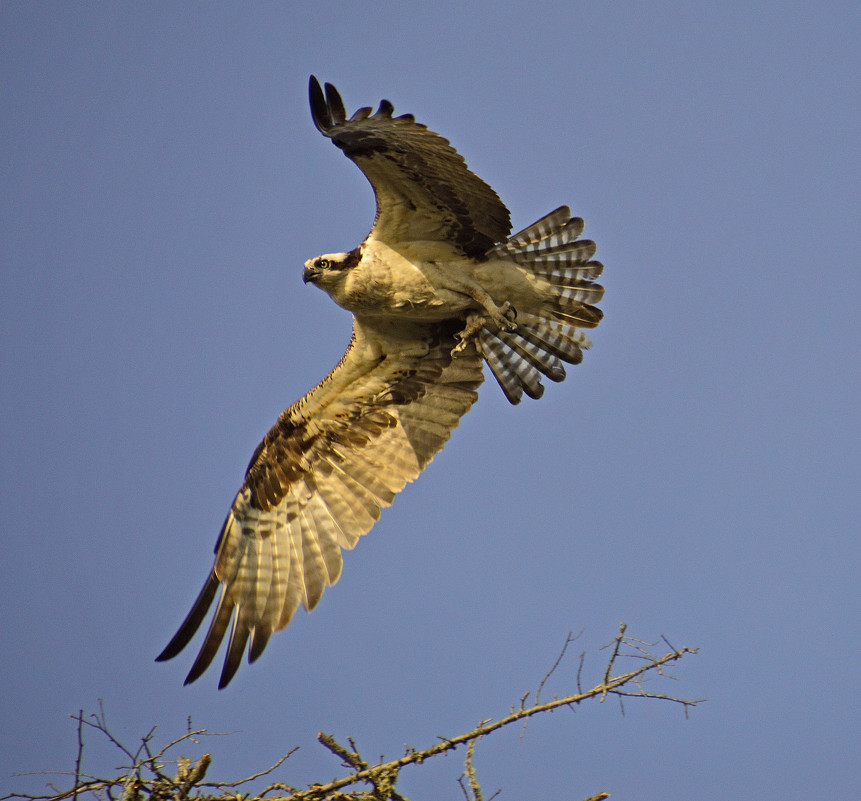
(620, 638)
(80, 756)
(568, 640)
(260, 773)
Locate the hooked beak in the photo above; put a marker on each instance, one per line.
(311, 274)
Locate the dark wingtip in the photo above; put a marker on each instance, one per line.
(203, 661)
(319, 107)
(233, 658)
(336, 105)
(386, 109)
(259, 639)
(227, 676)
(192, 621)
(169, 652)
(211, 643)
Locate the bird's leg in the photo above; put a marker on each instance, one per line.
(487, 315)
(502, 317)
(499, 317)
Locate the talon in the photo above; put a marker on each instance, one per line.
(502, 317)
(509, 314)
(474, 324)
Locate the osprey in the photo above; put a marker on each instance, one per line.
(437, 288)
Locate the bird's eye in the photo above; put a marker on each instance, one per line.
(324, 264)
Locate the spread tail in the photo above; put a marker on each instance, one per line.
(565, 272)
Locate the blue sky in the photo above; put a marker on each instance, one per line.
(696, 477)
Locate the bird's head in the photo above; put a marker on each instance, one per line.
(330, 270)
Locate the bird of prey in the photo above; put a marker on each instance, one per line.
(436, 289)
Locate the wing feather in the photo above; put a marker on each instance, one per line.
(321, 476)
(214, 636)
(314, 568)
(280, 558)
(327, 534)
(423, 187)
(295, 580)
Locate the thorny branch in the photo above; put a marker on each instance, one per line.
(144, 779)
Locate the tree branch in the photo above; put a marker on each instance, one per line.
(145, 776)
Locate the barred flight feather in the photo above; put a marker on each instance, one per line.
(578, 292)
(314, 568)
(560, 275)
(561, 263)
(294, 583)
(564, 341)
(572, 253)
(514, 374)
(545, 362)
(547, 225)
(582, 316)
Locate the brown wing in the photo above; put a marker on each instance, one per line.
(319, 478)
(424, 190)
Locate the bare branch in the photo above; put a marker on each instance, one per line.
(260, 773)
(143, 779)
(351, 759)
(568, 640)
(617, 644)
(80, 754)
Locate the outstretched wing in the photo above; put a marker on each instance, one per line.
(319, 478)
(424, 190)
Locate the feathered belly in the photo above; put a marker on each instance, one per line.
(390, 285)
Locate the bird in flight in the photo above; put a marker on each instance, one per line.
(437, 288)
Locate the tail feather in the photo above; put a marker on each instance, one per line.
(543, 360)
(565, 272)
(551, 230)
(514, 373)
(578, 292)
(561, 273)
(564, 341)
(583, 317)
(570, 253)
